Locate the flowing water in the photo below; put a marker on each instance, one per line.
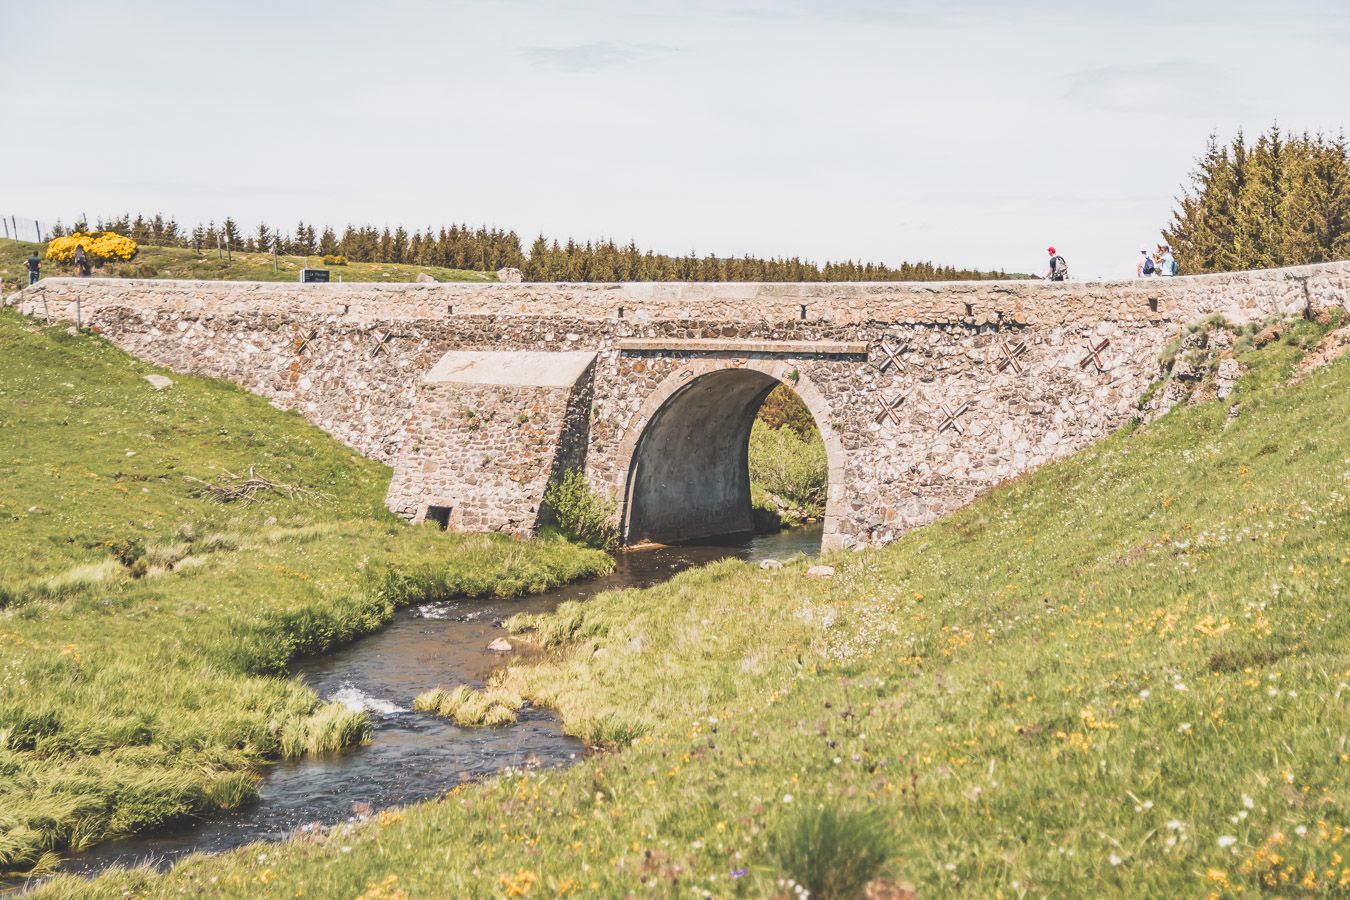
(414, 756)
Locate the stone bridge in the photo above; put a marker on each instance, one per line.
(925, 394)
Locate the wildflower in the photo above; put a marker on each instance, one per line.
(739, 872)
(1113, 859)
(1144, 694)
(1227, 840)
(519, 884)
(1247, 801)
(787, 798)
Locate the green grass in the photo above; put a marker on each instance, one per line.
(176, 262)
(1124, 674)
(142, 628)
(789, 472)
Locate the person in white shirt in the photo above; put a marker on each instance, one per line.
(1168, 264)
(1143, 267)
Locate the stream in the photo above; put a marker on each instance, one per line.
(416, 756)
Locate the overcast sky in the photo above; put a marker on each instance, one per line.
(970, 132)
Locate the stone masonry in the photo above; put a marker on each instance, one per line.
(926, 394)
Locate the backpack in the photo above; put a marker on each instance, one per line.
(1061, 269)
(1172, 267)
(1149, 268)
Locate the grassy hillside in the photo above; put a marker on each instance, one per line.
(142, 626)
(1124, 674)
(174, 262)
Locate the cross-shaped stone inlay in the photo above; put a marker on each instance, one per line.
(1094, 355)
(890, 356)
(1010, 355)
(890, 409)
(302, 343)
(951, 417)
(382, 342)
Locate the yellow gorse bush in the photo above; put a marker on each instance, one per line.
(101, 246)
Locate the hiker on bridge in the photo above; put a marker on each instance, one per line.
(1059, 269)
(1167, 263)
(1146, 267)
(34, 265)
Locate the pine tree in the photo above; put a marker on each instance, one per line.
(1316, 213)
(229, 232)
(1259, 238)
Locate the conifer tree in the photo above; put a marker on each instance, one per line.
(1284, 201)
(229, 232)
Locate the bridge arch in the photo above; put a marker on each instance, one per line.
(685, 472)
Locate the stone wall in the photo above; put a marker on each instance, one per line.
(957, 385)
(485, 452)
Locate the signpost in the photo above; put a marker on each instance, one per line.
(314, 276)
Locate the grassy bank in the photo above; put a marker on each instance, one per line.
(1124, 674)
(176, 262)
(789, 469)
(142, 626)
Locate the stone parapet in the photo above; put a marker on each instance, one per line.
(1240, 295)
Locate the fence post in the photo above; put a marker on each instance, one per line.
(79, 323)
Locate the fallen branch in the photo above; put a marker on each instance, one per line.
(231, 488)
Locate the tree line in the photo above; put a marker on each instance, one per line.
(1281, 201)
(489, 249)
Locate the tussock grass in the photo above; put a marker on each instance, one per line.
(330, 728)
(831, 852)
(142, 627)
(1120, 675)
(466, 706)
(77, 579)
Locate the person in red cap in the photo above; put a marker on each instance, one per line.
(1059, 269)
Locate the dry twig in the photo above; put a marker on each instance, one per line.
(229, 488)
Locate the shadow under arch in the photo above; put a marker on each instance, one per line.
(687, 469)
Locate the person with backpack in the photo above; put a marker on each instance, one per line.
(1145, 267)
(1167, 266)
(1059, 269)
(34, 267)
(81, 261)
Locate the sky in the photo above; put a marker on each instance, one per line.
(966, 132)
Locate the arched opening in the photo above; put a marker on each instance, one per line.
(689, 473)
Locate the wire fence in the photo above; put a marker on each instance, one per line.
(22, 228)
